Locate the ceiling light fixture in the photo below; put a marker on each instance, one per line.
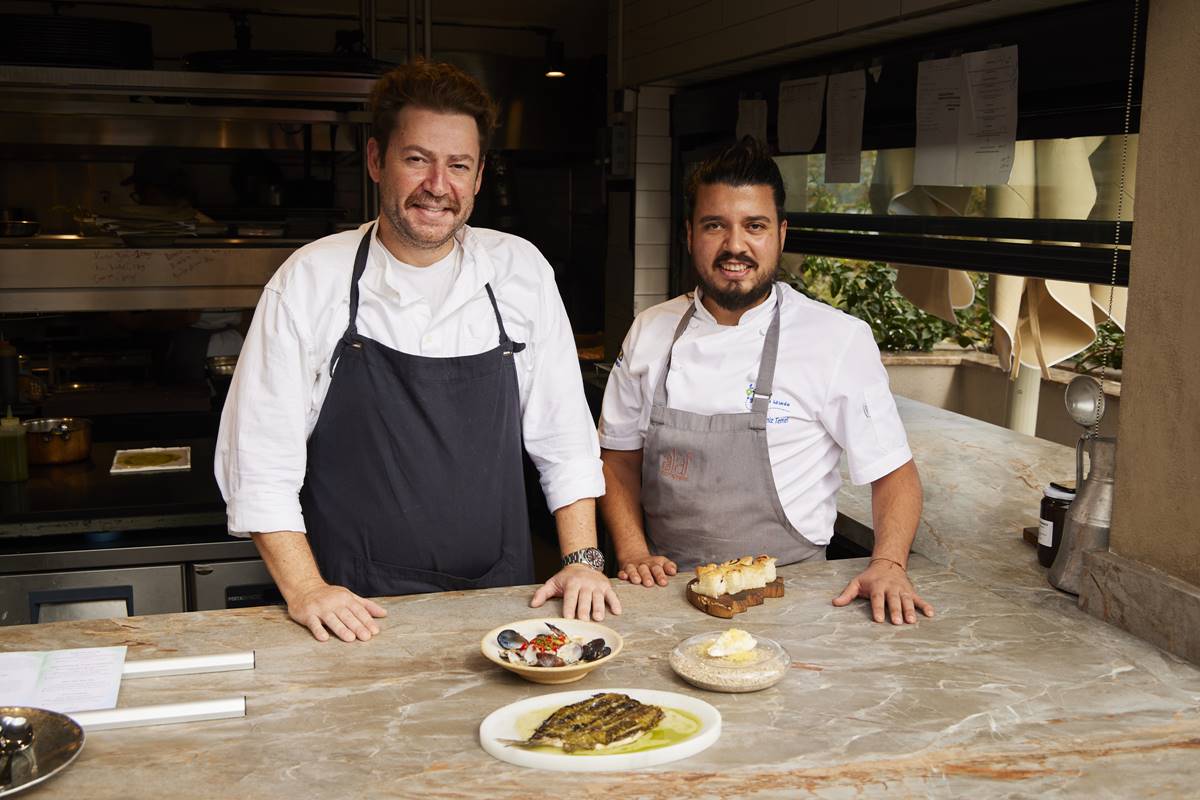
(556, 64)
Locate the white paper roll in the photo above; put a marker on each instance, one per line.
(164, 714)
(188, 665)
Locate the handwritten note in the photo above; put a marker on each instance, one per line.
(85, 679)
(843, 127)
(800, 104)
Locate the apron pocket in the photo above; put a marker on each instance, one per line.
(378, 578)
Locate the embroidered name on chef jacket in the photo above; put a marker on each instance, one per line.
(779, 410)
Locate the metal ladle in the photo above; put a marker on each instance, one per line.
(16, 734)
(1084, 399)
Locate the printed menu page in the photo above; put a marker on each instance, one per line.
(83, 679)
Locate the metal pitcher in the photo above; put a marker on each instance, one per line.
(1090, 516)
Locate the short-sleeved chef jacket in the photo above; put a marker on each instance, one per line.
(831, 394)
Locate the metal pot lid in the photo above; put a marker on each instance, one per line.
(56, 742)
(56, 425)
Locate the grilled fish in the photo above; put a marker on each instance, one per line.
(602, 721)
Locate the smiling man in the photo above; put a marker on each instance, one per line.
(727, 413)
(372, 440)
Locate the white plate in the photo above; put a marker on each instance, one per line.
(502, 724)
(181, 459)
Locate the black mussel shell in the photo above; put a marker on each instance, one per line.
(593, 650)
(510, 639)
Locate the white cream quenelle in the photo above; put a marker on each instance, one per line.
(732, 642)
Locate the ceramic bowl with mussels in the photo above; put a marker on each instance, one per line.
(551, 650)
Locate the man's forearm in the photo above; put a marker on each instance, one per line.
(621, 505)
(289, 559)
(895, 511)
(576, 525)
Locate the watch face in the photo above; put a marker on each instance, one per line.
(589, 555)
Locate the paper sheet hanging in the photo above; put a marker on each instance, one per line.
(846, 95)
(752, 120)
(966, 119)
(800, 105)
(987, 134)
(939, 102)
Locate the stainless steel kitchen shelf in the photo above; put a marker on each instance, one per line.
(39, 279)
(66, 241)
(171, 83)
(121, 108)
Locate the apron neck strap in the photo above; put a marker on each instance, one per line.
(764, 383)
(496, 310)
(660, 388)
(360, 266)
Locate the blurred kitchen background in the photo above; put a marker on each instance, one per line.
(159, 160)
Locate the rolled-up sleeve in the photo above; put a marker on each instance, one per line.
(860, 413)
(560, 436)
(261, 447)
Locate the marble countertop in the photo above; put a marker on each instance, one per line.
(1009, 691)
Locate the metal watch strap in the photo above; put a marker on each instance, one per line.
(588, 555)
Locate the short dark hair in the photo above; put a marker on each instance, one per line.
(746, 163)
(433, 85)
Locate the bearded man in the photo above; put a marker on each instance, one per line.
(727, 414)
(372, 440)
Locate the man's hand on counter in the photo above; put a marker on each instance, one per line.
(885, 583)
(646, 570)
(585, 592)
(325, 609)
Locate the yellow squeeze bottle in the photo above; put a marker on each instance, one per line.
(14, 460)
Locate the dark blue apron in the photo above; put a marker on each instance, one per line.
(414, 480)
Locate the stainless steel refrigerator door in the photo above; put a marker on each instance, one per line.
(231, 584)
(90, 594)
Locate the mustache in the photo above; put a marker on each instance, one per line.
(424, 198)
(726, 255)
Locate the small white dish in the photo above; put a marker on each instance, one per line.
(151, 459)
(530, 628)
(760, 668)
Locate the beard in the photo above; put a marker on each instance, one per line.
(424, 237)
(737, 298)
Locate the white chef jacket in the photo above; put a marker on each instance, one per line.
(830, 395)
(283, 370)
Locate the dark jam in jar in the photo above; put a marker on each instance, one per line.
(1056, 500)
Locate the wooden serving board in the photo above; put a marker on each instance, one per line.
(727, 605)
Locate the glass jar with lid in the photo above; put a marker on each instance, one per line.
(1052, 517)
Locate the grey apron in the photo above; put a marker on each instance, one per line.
(707, 487)
(414, 481)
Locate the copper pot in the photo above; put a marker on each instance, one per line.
(59, 440)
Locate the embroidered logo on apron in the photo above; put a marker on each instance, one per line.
(675, 465)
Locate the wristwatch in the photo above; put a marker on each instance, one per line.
(588, 555)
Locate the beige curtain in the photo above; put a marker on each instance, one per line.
(936, 291)
(1036, 322)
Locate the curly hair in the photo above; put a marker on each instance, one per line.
(431, 85)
